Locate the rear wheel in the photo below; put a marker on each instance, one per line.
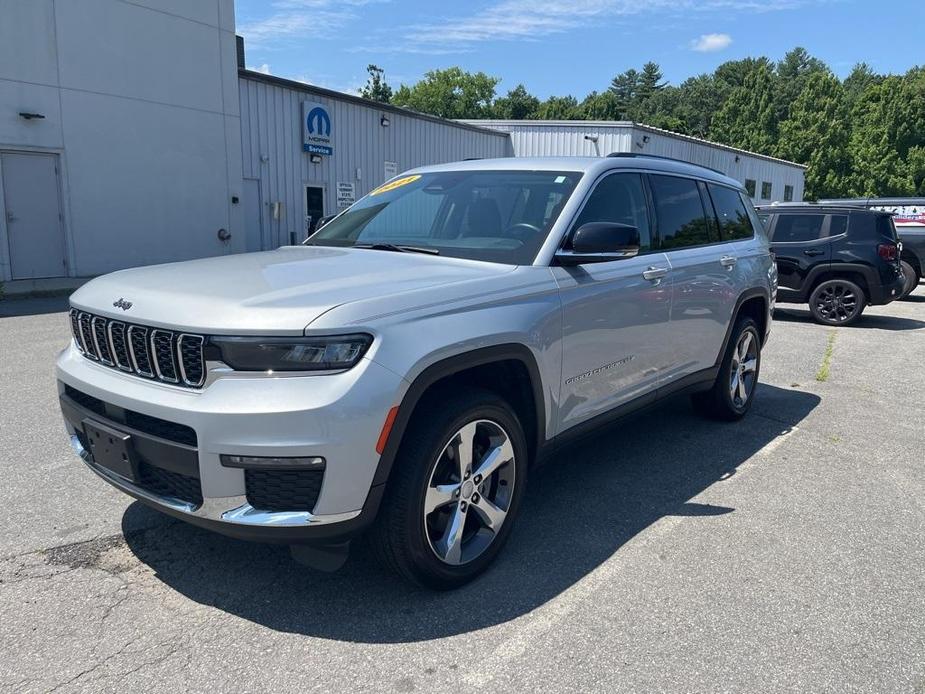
(454, 491)
(732, 393)
(911, 279)
(837, 302)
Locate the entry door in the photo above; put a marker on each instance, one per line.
(33, 215)
(253, 215)
(615, 314)
(314, 207)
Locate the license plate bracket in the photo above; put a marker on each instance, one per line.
(111, 449)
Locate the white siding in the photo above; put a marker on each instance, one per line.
(141, 106)
(271, 137)
(570, 138)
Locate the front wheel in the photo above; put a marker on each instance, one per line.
(731, 395)
(454, 491)
(837, 302)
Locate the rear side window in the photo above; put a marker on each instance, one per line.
(792, 228)
(679, 213)
(733, 218)
(838, 224)
(885, 227)
(619, 198)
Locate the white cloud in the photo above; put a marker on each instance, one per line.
(711, 43)
(527, 20)
(301, 19)
(265, 68)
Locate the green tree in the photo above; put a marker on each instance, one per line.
(450, 93)
(818, 134)
(599, 106)
(376, 87)
(860, 78)
(747, 118)
(559, 108)
(792, 74)
(624, 88)
(650, 81)
(699, 98)
(519, 104)
(888, 137)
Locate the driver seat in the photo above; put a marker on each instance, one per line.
(484, 218)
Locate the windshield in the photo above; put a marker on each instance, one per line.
(498, 216)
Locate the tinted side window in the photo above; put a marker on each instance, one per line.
(733, 217)
(798, 227)
(838, 224)
(619, 198)
(679, 211)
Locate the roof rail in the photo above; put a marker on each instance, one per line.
(620, 155)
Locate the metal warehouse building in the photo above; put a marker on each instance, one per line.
(299, 167)
(767, 179)
(131, 134)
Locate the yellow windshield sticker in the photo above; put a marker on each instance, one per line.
(397, 183)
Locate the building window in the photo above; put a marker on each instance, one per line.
(788, 193)
(751, 187)
(765, 190)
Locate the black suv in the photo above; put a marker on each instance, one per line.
(836, 258)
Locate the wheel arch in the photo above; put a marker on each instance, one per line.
(754, 303)
(510, 370)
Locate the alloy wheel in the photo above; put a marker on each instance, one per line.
(469, 492)
(837, 303)
(744, 368)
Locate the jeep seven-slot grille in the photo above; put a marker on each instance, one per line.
(152, 353)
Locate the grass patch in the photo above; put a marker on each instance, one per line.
(822, 375)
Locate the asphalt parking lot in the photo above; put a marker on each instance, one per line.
(782, 553)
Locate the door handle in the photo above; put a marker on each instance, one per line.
(812, 252)
(728, 261)
(654, 273)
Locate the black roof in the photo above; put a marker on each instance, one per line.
(821, 208)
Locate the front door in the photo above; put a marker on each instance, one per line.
(314, 207)
(799, 244)
(33, 215)
(615, 314)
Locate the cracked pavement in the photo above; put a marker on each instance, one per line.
(783, 553)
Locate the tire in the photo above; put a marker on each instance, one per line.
(734, 389)
(912, 279)
(419, 543)
(837, 302)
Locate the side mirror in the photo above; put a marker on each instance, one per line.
(601, 242)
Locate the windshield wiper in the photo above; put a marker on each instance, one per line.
(397, 248)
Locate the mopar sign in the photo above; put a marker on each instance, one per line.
(316, 128)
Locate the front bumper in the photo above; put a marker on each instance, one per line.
(337, 417)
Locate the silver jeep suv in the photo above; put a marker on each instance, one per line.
(404, 370)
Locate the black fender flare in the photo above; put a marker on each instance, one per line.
(748, 294)
(453, 365)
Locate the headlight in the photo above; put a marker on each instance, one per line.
(329, 353)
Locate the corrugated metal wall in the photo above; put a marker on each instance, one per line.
(569, 138)
(271, 138)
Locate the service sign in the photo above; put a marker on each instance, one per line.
(905, 215)
(317, 129)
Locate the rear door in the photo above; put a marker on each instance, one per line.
(702, 272)
(800, 243)
(616, 334)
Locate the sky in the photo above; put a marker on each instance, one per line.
(566, 46)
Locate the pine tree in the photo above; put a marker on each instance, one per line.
(748, 119)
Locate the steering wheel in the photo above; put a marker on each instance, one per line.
(522, 231)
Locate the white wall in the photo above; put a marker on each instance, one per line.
(569, 138)
(141, 103)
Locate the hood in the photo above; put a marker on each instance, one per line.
(277, 292)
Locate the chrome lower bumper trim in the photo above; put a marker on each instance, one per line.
(228, 509)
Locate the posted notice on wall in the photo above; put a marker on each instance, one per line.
(346, 195)
(391, 169)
